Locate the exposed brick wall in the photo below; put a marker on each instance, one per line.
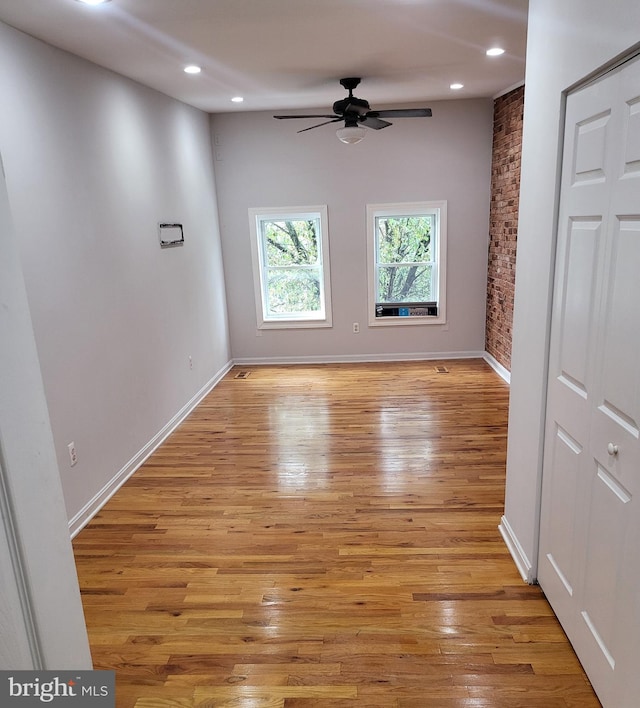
(503, 229)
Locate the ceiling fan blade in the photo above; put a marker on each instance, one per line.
(335, 120)
(308, 116)
(402, 113)
(375, 123)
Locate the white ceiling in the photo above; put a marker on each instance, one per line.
(290, 54)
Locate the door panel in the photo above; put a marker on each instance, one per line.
(606, 524)
(589, 564)
(632, 133)
(586, 172)
(619, 375)
(590, 142)
(579, 277)
(567, 456)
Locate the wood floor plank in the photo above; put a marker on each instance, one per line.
(325, 535)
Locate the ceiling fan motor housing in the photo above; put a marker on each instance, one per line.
(351, 105)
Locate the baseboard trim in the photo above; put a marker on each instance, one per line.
(517, 552)
(497, 367)
(93, 506)
(356, 358)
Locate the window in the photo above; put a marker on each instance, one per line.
(406, 246)
(290, 249)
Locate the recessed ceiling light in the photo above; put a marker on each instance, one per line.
(237, 99)
(455, 87)
(192, 69)
(495, 51)
(93, 2)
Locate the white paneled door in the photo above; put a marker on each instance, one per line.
(589, 559)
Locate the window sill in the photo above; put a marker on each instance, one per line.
(294, 324)
(406, 321)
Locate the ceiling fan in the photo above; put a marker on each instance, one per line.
(356, 112)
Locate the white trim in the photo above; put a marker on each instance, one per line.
(93, 506)
(18, 572)
(356, 358)
(517, 551)
(323, 318)
(405, 321)
(497, 367)
(437, 208)
(294, 324)
(504, 92)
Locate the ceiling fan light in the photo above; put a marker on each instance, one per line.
(351, 134)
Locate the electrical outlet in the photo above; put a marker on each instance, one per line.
(356, 327)
(73, 455)
(190, 363)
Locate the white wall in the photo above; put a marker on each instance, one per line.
(262, 162)
(566, 42)
(93, 162)
(41, 620)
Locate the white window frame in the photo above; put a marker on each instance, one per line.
(439, 245)
(297, 213)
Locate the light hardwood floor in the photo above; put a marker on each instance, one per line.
(325, 536)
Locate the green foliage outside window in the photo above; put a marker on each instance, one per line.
(405, 258)
(293, 267)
